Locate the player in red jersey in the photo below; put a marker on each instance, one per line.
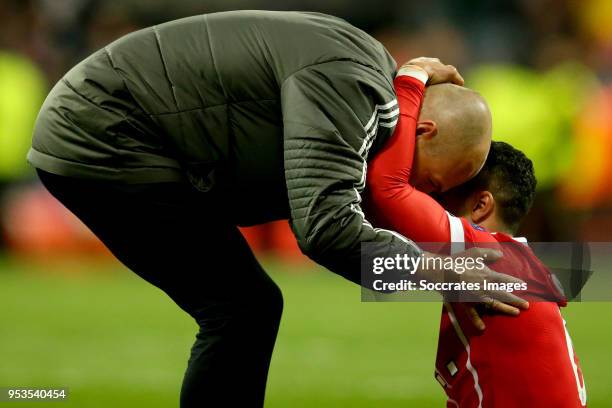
(523, 361)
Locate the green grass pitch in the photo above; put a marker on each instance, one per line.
(116, 341)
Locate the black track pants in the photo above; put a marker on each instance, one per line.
(183, 242)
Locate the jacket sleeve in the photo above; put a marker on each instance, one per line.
(332, 112)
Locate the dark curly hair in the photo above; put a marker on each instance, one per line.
(508, 174)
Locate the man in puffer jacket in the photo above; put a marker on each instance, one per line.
(166, 140)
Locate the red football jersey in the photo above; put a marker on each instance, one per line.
(524, 361)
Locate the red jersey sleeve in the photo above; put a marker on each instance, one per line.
(391, 200)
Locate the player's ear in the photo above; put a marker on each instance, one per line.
(483, 207)
(426, 129)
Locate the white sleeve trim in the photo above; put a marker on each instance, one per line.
(414, 72)
(522, 240)
(457, 234)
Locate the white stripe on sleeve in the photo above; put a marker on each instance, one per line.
(457, 234)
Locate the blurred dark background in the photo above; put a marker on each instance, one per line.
(545, 66)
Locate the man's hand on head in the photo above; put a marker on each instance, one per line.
(437, 72)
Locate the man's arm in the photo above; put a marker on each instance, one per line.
(332, 112)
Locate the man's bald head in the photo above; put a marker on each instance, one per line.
(453, 137)
(462, 116)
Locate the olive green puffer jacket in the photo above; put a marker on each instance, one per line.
(277, 111)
